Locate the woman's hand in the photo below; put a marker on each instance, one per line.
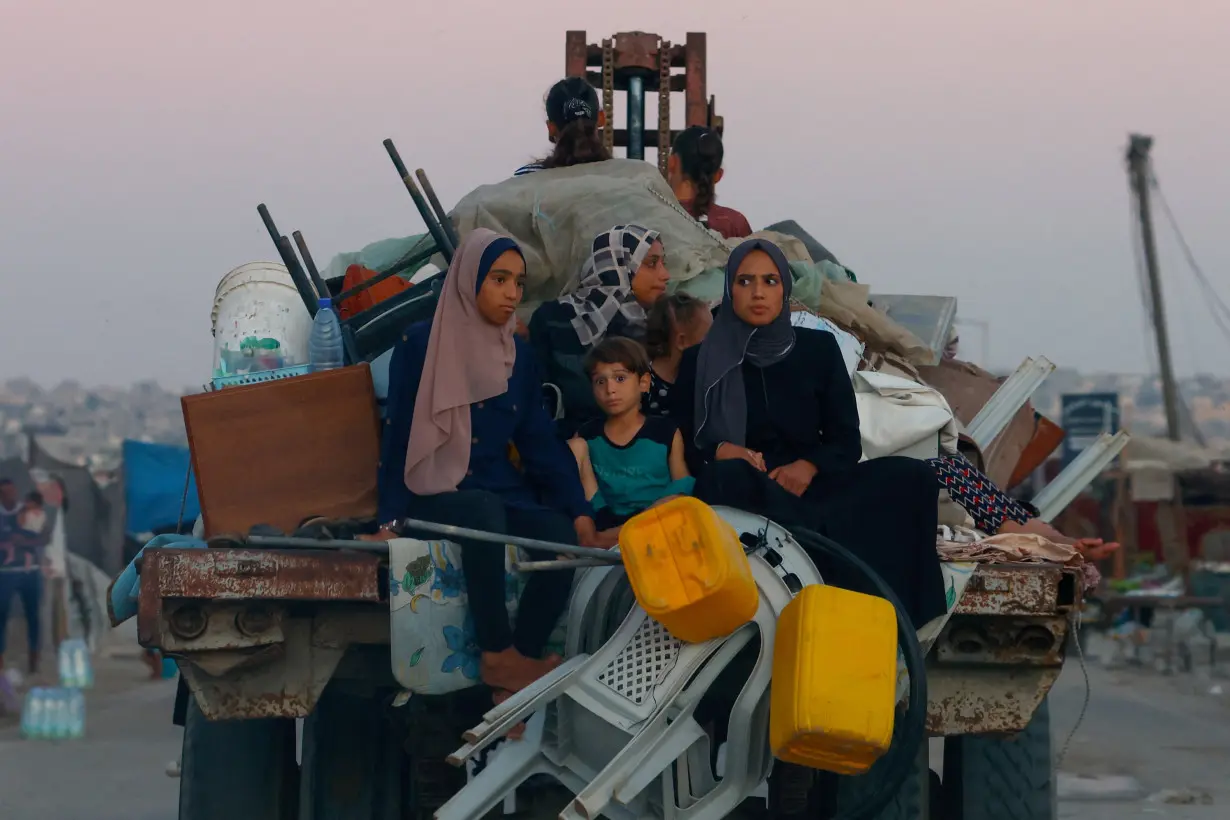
(587, 533)
(1094, 549)
(795, 477)
(728, 452)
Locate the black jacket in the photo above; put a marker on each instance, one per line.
(801, 407)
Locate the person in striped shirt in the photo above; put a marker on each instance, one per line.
(574, 125)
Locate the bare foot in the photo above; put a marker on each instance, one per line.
(499, 696)
(154, 662)
(513, 671)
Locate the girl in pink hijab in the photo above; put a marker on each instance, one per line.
(462, 388)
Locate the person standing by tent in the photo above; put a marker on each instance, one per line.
(20, 572)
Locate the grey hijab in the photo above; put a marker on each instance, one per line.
(721, 406)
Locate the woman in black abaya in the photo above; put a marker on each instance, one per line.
(768, 415)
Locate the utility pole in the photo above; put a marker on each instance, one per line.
(1140, 178)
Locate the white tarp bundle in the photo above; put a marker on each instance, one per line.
(554, 216)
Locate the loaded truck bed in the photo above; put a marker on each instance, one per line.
(259, 633)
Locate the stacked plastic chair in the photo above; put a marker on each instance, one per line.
(615, 723)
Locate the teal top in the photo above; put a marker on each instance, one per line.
(631, 477)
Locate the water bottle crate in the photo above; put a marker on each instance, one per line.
(261, 376)
(53, 714)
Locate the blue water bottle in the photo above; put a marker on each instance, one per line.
(32, 713)
(325, 344)
(64, 663)
(46, 715)
(76, 671)
(76, 714)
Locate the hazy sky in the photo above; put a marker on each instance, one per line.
(967, 148)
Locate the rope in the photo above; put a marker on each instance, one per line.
(1217, 307)
(1074, 622)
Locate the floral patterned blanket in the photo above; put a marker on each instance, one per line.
(432, 631)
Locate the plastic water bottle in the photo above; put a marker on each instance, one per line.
(325, 343)
(76, 714)
(32, 713)
(46, 715)
(76, 671)
(64, 664)
(59, 714)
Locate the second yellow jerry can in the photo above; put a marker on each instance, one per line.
(834, 680)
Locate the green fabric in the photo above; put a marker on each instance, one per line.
(379, 256)
(632, 478)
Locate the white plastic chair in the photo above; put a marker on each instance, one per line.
(618, 722)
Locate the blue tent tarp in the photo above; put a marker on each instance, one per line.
(154, 486)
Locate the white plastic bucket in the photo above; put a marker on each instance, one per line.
(259, 301)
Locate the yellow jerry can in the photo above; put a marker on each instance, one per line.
(834, 680)
(688, 570)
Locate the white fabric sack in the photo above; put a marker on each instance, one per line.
(897, 414)
(851, 348)
(554, 216)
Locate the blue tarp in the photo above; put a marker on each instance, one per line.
(154, 486)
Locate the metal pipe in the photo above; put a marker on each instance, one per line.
(636, 117)
(605, 556)
(302, 284)
(297, 274)
(559, 563)
(445, 222)
(291, 542)
(322, 290)
(433, 227)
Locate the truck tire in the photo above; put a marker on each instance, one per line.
(435, 725)
(992, 778)
(911, 802)
(353, 761)
(237, 768)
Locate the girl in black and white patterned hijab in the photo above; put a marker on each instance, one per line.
(624, 275)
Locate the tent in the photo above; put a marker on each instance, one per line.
(88, 510)
(14, 469)
(154, 492)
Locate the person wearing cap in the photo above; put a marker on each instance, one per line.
(574, 125)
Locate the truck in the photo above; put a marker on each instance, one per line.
(287, 653)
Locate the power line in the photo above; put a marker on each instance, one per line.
(1212, 299)
(1217, 308)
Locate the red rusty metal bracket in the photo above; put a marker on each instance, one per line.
(299, 575)
(1019, 589)
(576, 54)
(637, 50)
(696, 95)
(249, 575)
